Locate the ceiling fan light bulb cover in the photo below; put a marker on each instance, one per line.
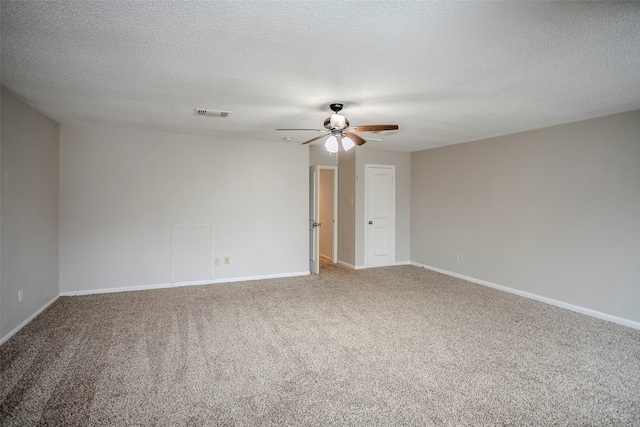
(347, 143)
(331, 144)
(337, 121)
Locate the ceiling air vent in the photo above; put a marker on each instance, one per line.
(211, 113)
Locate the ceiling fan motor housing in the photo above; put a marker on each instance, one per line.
(336, 122)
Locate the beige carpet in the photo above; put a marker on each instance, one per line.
(388, 346)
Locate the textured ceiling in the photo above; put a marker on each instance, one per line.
(445, 72)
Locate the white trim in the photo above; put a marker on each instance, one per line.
(403, 263)
(379, 166)
(353, 267)
(134, 288)
(589, 312)
(314, 218)
(180, 284)
(213, 263)
(262, 277)
(29, 319)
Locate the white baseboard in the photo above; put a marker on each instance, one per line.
(326, 258)
(353, 267)
(148, 287)
(133, 288)
(266, 276)
(180, 284)
(363, 267)
(29, 319)
(567, 306)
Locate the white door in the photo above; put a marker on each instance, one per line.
(380, 215)
(314, 219)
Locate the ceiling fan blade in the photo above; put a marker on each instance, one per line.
(313, 139)
(315, 130)
(373, 128)
(355, 138)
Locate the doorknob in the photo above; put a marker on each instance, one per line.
(370, 222)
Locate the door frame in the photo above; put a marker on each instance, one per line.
(314, 219)
(368, 166)
(334, 251)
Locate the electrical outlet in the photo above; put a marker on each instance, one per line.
(227, 260)
(455, 256)
(216, 261)
(20, 295)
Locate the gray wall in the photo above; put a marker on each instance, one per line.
(121, 191)
(346, 211)
(326, 212)
(352, 224)
(30, 146)
(2, 335)
(554, 212)
(320, 156)
(402, 162)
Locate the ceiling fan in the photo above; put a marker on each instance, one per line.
(340, 130)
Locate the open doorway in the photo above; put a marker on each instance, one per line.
(328, 207)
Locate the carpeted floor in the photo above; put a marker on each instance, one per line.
(387, 346)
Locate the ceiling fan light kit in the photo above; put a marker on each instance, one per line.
(347, 143)
(339, 128)
(331, 144)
